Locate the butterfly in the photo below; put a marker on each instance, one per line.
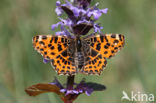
(87, 55)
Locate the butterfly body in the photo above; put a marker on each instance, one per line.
(70, 55)
(79, 55)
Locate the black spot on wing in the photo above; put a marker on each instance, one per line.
(70, 59)
(100, 62)
(44, 37)
(101, 38)
(92, 44)
(41, 49)
(95, 70)
(95, 39)
(91, 71)
(116, 48)
(93, 53)
(113, 36)
(93, 62)
(65, 45)
(58, 61)
(120, 37)
(52, 47)
(56, 38)
(52, 53)
(68, 63)
(62, 71)
(108, 44)
(87, 58)
(65, 62)
(112, 51)
(105, 52)
(37, 37)
(105, 46)
(105, 61)
(98, 46)
(100, 56)
(68, 67)
(64, 53)
(58, 56)
(59, 47)
(106, 38)
(62, 40)
(41, 42)
(110, 56)
(65, 40)
(115, 41)
(49, 45)
(89, 62)
(45, 53)
(51, 39)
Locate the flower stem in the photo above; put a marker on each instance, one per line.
(70, 82)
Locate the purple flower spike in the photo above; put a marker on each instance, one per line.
(96, 13)
(76, 12)
(67, 22)
(76, 92)
(63, 90)
(66, 94)
(79, 19)
(58, 3)
(97, 28)
(69, 92)
(82, 87)
(66, 32)
(72, 91)
(104, 10)
(89, 91)
(83, 3)
(60, 33)
(57, 83)
(58, 11)
(68, 3)
(45, 60)
(56, 25)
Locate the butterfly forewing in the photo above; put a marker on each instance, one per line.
(55, 49)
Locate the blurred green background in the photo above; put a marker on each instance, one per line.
(132, 69)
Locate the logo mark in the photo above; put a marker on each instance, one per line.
(137, 96)
(125, 96)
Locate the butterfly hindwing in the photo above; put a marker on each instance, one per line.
(55, 49)
(95, 65)
(101, 48)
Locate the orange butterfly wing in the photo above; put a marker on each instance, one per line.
(101, 48)
(55, 49)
